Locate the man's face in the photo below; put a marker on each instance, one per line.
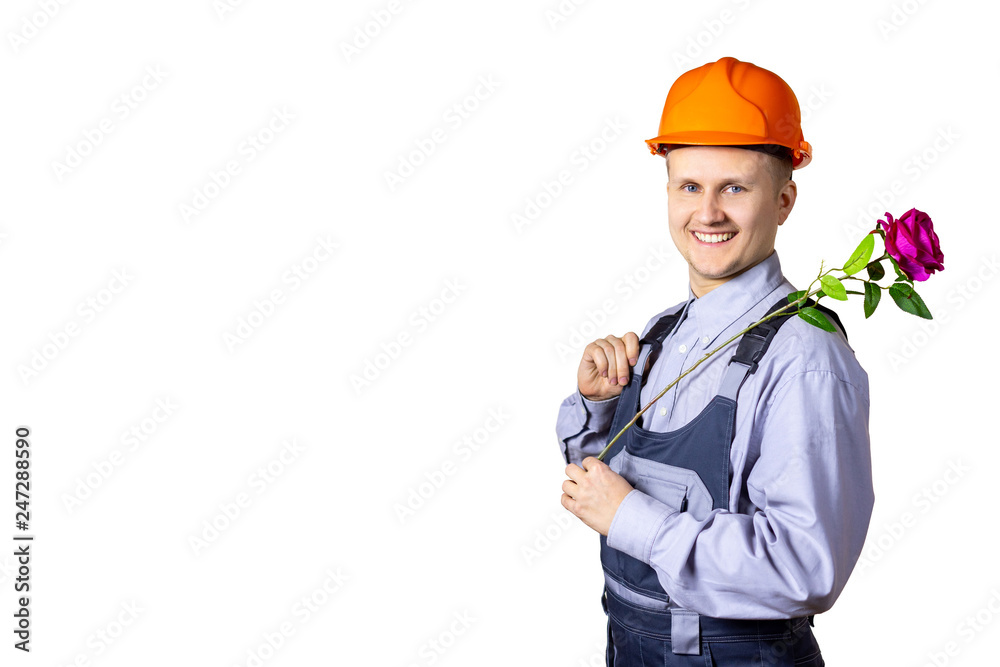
(724, 211)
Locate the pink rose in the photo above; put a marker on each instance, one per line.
(911, 241)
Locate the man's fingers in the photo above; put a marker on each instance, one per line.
(620, 364)
(613, 357)
(570, 487)
(574, 472)
(604, 355)
(631, 347)
(567, 502)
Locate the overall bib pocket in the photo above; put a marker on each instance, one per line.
(680, 489)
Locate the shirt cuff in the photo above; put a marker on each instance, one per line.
(637, 522)
(599, 414)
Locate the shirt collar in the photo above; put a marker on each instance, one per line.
(728, 303)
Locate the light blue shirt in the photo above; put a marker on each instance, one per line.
(801, 496)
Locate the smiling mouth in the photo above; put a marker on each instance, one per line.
(714, 238)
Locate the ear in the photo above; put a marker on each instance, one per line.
(786, 200)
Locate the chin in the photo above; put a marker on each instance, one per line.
(713, 271)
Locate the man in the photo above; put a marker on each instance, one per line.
(736, 507)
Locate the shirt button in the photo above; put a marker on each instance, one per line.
(704, 340)
(663, 412)
(682, 348)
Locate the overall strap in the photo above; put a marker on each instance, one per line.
(662, 328)
(755, 342)
(649, 344)
(652, 342)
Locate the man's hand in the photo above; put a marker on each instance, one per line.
(593, 493)
(605, 368)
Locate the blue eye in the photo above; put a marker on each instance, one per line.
(689, 185)
(736, 187)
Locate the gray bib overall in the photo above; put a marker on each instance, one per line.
(688, 470)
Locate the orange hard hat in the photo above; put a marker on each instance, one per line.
(732, 103)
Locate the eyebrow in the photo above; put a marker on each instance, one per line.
(724, 179)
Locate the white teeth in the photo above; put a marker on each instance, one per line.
(714, 238)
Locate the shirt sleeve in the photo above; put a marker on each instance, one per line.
(811, 489)
(583, 425)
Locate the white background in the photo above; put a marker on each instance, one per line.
(491, 543)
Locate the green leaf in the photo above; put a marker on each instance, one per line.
(794, 296)
(907, 299)
(861, 255)
(834, 288)
(875, 271)
(872, 295)
(816, 318)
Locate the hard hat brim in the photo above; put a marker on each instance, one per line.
(801, 156)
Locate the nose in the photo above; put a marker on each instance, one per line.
(709, 209)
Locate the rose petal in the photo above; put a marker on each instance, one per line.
(905, 245)
(888, 225)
